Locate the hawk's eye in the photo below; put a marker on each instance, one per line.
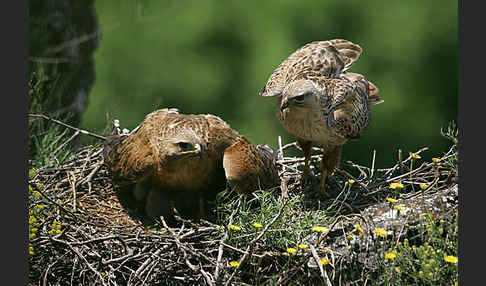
(299, 98)
(185, 146)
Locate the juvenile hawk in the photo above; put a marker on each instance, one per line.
(318, 101)
(173, 160)
(248, 167)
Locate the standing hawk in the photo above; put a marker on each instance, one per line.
(173, 160)
(318, 101)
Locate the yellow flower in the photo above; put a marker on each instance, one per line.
(450, 259)
(414, 156)
(359, 228)
(302, 246)
(257, 224)
(380, 232)
(291, 250)
(55, 227)
(399, 208)
(351, 181)
(396, 186)
(32, 172)
(391, 200)
(423, 186)
(234, 263)
(420, 272)
(234, 227)
(390, 255)
(435, 160)
(319, 228)
(324, 261)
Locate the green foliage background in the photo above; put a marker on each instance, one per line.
(214, 56)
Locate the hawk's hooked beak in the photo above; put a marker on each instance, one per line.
(197, 151)
(284, 105)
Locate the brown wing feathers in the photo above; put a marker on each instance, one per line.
(248, 167)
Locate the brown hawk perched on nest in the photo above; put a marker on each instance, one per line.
(318, 101)
(176, 160)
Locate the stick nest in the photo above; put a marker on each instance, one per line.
(84, 236)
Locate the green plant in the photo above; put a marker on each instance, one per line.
(433, 261)
(46, 140)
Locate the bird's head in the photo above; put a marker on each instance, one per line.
(184, 145)
(300, 94)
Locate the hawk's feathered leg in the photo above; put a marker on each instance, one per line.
(306, 147)
(329, 161)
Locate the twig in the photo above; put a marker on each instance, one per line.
(225, 237)
(324, 276)
(373, 164)
(183, 249)
(76, 259)
(67, 125)
(66, 142)
(52, 201)
(287, 160)
(207, 276)
(74, 42)
(144, 265)
(352, 177)
(286, 146)
(73, 186)
(50, 60)
(280, 154)
(81, 257)
(44, 282)
(400, 162)
(91, 174)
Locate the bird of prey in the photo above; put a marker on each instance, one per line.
(248, 167)
(173, 160)
(319, 101)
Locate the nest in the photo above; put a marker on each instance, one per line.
(83, 235)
